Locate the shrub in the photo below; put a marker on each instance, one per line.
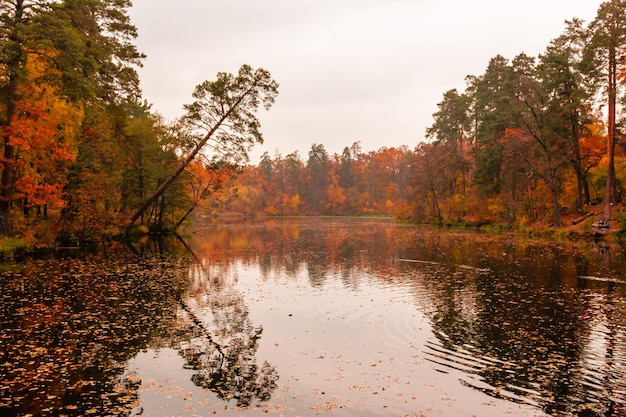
(10, 247)
(621, 220)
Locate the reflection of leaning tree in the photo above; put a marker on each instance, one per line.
(228, 367)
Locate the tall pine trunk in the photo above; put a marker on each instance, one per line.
(610, 193)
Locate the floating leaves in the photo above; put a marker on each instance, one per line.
(68, 327)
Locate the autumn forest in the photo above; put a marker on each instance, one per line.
(533, 141)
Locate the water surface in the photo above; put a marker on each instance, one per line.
(319, 316)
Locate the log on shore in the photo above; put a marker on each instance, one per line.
(580, 219)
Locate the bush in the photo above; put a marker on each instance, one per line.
(621, 220)
(10, 247)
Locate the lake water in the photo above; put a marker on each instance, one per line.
(304, 317)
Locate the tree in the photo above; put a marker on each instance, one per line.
(490, 96)
(43, 136)
(541, 117)
(605, 58)
(425, 199)
(317, 168)
(560, 66)
(208, 180)
(452, 122)
(266, 165)
(93, 40)
(452, 130)
(223, 120)
(346, 174)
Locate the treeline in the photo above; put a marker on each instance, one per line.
(528, 140)
(351, 183)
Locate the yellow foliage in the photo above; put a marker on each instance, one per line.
(496, 207)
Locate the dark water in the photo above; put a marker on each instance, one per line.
(312, 317)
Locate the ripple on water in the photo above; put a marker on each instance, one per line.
(384, 310)
(595, 379)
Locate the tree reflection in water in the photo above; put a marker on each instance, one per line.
(523, 325)
(538, 324)
(68, 326)
(228, 368)
(223, 353)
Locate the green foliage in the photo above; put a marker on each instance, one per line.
(10, 246)
(223, 116)
(621, 220)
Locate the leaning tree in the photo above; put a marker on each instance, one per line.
(223, 121)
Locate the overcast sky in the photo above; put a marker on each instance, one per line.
(349, 70)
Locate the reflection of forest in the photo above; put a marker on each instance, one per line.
(522, 320)
(215, 336)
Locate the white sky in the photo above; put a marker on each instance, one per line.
(349, 70)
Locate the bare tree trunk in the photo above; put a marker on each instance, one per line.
(203, 194)
(432, 189)
(556, 207)
(610, 192)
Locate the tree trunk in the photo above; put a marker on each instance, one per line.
(6, 186)
(610, 193)
(556, 207)
(582, 188)
(436, 210)
(203, 194)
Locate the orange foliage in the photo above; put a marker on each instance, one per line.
(43, 132)
(593, 146)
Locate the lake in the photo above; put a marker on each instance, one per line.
(304, 317)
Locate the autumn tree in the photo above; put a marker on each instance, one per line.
(291, 181)
(266, 165)
(247, 193)
(18, 37)
(383, 178)
(43, 137)
(539, 112)
(425, 199)
(335, 192)
(452, 130)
